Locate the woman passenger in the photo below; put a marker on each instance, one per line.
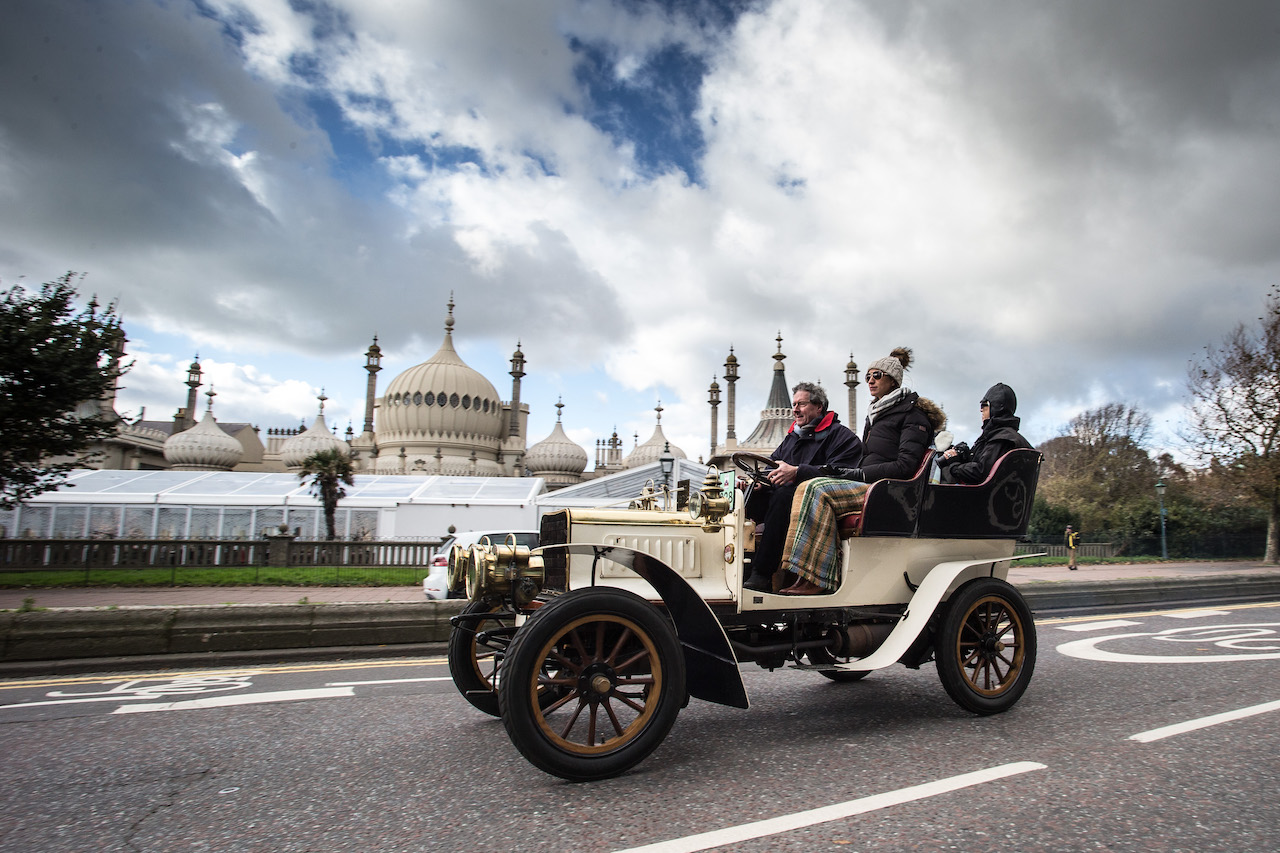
(899, 429)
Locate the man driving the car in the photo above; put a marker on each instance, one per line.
(816, 438)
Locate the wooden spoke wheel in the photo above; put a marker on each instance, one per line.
(987, 646)
(614, 666)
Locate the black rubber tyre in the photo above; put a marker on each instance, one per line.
(614, 664)
(986, 649)
(474, 667)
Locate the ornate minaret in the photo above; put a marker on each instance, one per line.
(714, 400)
(186, 418)
(517, 373)
(372, 363)
(851, 382)
(364, 450)
(779, 394)
(730, 378)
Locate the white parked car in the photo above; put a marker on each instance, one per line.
(436, 584)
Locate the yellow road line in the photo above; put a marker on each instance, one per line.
(222, 671)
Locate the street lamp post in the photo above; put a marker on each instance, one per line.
(1164, 542)
(668, 463)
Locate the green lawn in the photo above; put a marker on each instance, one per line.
(231, 576)
(1088, 561)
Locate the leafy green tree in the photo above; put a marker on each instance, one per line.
(328, 471)
(1235, 412)
(1100, 472)
(58, 368)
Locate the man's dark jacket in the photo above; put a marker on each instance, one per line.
(810, 448)
(825, 442)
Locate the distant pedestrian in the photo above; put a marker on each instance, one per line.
(1073, 541)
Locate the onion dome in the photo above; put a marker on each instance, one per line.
(295, 450)
(655, 448)
(445, 416)
(557, 459)
(204, 447)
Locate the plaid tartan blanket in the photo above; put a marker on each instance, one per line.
(813, 541)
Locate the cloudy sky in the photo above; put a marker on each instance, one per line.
(1072, 198)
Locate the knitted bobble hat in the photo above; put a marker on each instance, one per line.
(896, 362)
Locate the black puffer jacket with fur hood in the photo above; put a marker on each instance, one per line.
(894, 443)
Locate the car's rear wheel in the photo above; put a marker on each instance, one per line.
(474, 663)
(614, 664)
(986, 649)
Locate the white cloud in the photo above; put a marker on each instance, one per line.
(1072, 200)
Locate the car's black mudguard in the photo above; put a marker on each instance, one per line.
(711, 670)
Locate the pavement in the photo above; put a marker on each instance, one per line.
(79, 629)
(185, 596)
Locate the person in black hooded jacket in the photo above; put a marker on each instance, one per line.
(999, 436)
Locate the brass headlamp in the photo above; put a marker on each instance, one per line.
(489, 570)
(710, 504)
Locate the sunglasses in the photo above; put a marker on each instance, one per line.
(985, 404)
(877, 375)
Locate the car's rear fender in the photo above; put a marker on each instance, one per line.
(928, 595)
(711, 670)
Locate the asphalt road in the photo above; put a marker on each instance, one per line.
(385, 756)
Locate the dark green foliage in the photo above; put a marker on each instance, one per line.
(58, 366)
(1048, 521)
(1235, 414)
(328, 471)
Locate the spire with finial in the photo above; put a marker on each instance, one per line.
(322, 398)
(559, 407)
(448, 322)
(778, 356)
(210, 394)
(731, 379)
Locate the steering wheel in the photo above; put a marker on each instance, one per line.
(755, 466)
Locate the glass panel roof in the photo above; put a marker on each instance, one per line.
(230, 483)
(385, 487)
(239, 486)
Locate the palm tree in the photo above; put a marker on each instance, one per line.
(328, 470)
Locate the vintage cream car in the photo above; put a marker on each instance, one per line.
(589, 645)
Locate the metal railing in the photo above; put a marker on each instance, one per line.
(45, 554)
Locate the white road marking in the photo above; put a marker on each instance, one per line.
(1259, 641)
(1194, 614)
(242, 699)
(1204, 722)
(74, 701)
(385, 681)
(799, 820)
(1098, 626)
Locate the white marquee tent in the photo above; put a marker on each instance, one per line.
(231, 504)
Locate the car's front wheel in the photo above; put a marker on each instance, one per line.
(613, 662)
(474, 662)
